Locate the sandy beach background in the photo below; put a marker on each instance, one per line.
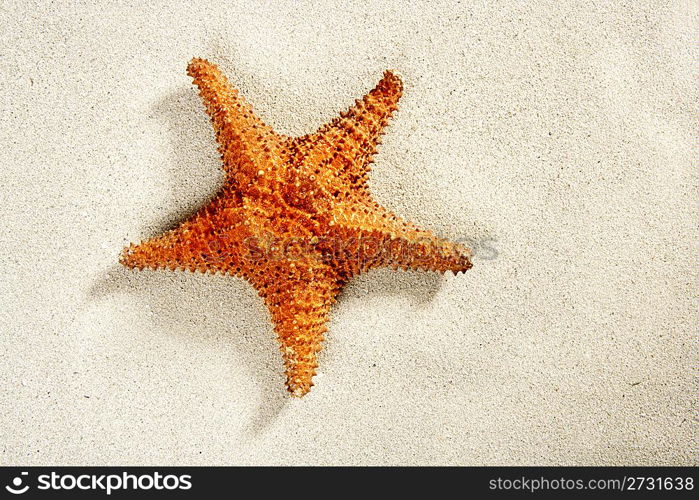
(558, 138)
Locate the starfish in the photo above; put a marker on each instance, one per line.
(295, 217)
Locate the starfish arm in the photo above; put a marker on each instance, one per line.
(178, 250)
(213, 240)
(299, 307)
(349, 142)
(243, 138)
(375, 237)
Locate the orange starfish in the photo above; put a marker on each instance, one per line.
(295, 217)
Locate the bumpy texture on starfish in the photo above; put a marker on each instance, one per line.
(295, 217)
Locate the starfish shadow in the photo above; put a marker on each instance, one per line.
(192, 293)
(419, 286)
(195, 172)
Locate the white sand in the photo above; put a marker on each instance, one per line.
(557, 135)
